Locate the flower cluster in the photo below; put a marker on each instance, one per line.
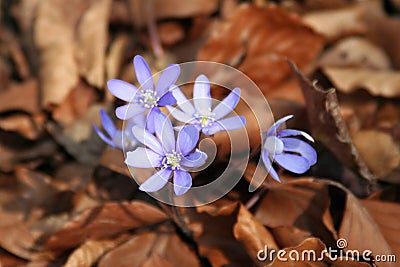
(152, 141)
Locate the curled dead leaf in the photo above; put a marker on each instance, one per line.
(356, 51)
(361, 232)
(92, 33)
(160, 9)
(257, 41)
(59, 71)
(21, 97)
(377, 83)
(228, 234)
(22, 124)
(90, 251)
(142, 249)
(386, 215)
(303, 203)
(336, 23)
(383, 156)
(252, 233)
(328, 126)
(104, 221)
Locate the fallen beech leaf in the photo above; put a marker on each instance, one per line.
(386, 215)
(144, 248)
(169, 9)
(303, 203)
(225, 233)
(252, 233)
(383, 30)
(21, 97)
(258, 40)
(328, 126)
(310, 244)
(104, 221)
(88, 253)
(17, 239)
(8, 259)
(356, 51)
(171, 32)
(115, 58)
(377, 83)
(92, 42)
(115, 161)
(76, 105)
(336, 23)
(157, 261)
(289, 236)
(361, 232)
(382, 157)
(59, 70)
(387, 116)
(21, 124)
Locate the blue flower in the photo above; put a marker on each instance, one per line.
(201, 115)
(122, 139)
(290, 153)
(149, 96)
(171, 157)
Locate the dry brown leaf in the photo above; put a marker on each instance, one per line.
(228, 234)
(258, 40)
(252, 233)
(76, 104)
(21, 97)
(21, 124)
(170, 32)
(104, 221)
(139, 10)
(386, 216)
(356, 51)
(157, 261)
(328, 126)
(384, 30)
(115, 58)
(313, 244)
(36, 192)
(90, 251)
(382, 157)
(92, 34)
(377, 83)
(336, 23)
(114, 160)
(144, 248)
(17, 239)
(361, 232)
(303, 203)
(59, 71)
(289, 236)
(387, 116)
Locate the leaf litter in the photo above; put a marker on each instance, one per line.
(67, 200)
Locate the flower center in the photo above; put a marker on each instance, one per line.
(172, 160)
(149, 99)
(205, 118)
(274, 145)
